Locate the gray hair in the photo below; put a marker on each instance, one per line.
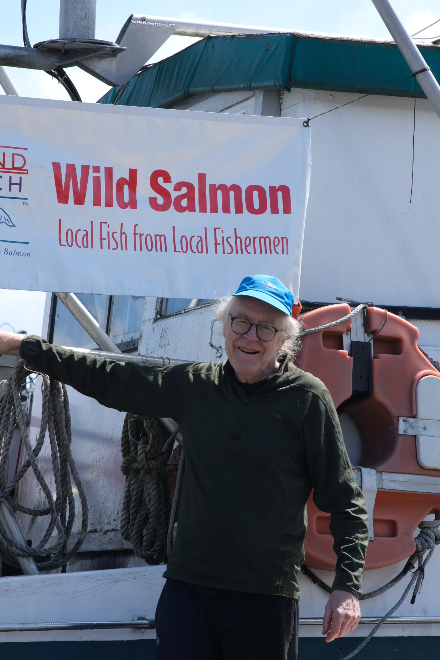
(291, 330)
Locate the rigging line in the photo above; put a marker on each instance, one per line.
(120, 92)
(413, 140)
(306, 122)
(24, 24)
(61, 76)
(429, 38)
(425, 28)
(58, 73)
(381, 327)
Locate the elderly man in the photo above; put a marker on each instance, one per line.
(259, 434)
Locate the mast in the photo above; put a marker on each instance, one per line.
(410, 52)
(77, 19)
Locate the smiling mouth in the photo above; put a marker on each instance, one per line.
(247, 351)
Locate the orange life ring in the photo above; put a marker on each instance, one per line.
(397, 365)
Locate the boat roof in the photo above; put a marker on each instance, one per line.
(274, 61)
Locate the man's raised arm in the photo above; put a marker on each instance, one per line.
(125, 386)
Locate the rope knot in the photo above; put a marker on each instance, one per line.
(129, 463)
(429, 535)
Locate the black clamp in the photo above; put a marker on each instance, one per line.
(427, 68)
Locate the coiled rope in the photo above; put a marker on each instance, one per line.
(147, 518)
(427, 539)
(55, 419)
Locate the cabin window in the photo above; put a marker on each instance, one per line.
(169, 306)
(119, 316)
(126, 320)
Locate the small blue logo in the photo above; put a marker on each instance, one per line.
(5, 219)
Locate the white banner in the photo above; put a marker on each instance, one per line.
(122, 200)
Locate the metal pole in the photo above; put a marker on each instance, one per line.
(6, 83)
(46, 60)
(77, 19)
(86, 320)
(370, 620)
(202, 29)
(410, 52)
(146, 360)
(91, 326)
(148, 624)
(12, 529)
(137, 624)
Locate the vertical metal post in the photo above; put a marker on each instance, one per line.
(77, 19)
(410, 52)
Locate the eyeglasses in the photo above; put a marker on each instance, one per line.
(242, 326)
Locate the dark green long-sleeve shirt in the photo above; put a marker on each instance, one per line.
(251, 465)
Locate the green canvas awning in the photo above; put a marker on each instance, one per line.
(273, 61)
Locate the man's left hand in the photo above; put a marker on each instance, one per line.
(342, 615)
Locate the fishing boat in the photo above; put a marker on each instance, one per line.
(371, 237)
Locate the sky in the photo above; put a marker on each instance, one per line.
(24, 310)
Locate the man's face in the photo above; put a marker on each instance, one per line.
(251, 358)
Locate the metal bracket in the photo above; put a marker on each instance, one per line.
(218, 349)
(414, 483)
(413, 426)
(360, 351)
(369, 491)
(141, 38)
(427, 432)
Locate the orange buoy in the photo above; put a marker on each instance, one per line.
(391, 373)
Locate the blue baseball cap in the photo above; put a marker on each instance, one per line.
(268, 289)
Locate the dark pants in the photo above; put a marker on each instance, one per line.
(192, 626)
